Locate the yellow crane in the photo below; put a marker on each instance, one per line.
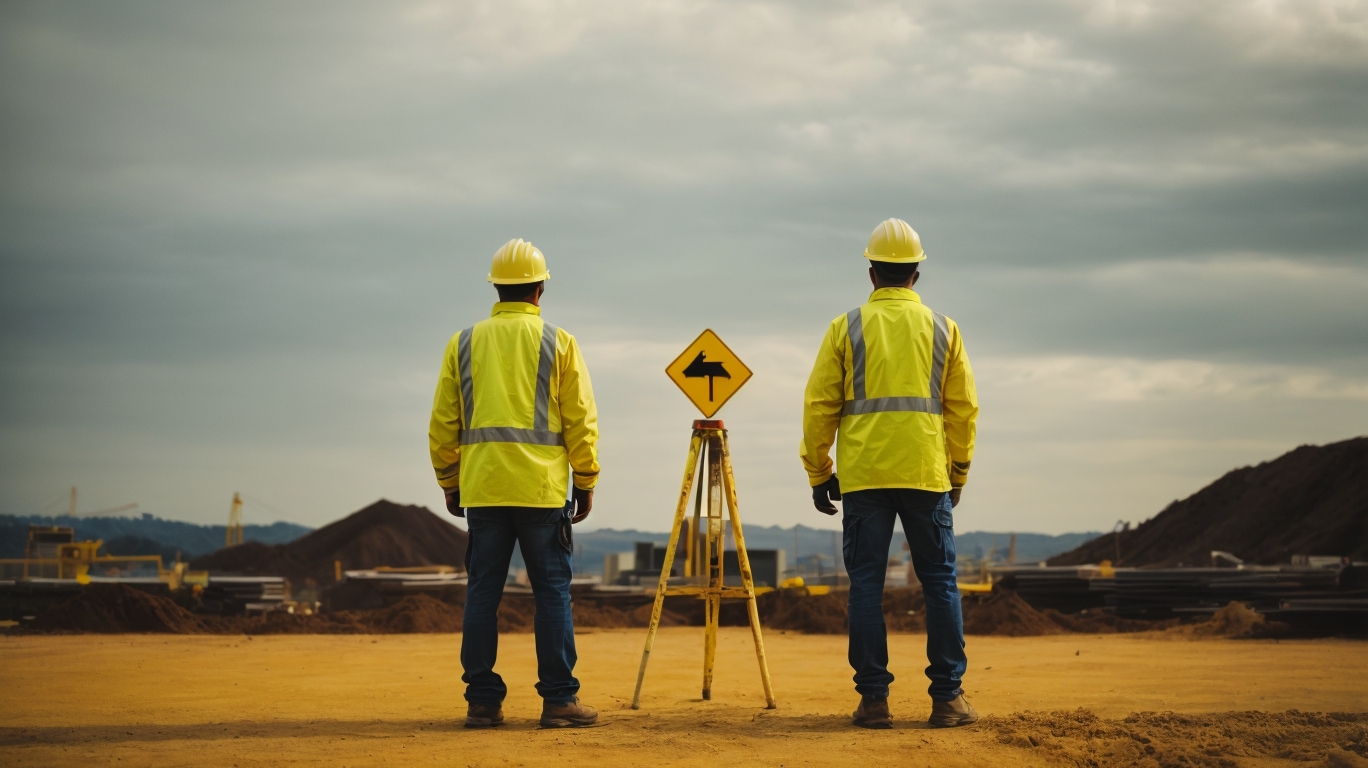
(234, 533)
(109, 511)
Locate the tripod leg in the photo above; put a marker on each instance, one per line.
(692, 555)
(743, 560)
(711, 607)
(665, 567)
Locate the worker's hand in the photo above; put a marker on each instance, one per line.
(584, 502)
(453, 503)
(954, 497)
(831, 489)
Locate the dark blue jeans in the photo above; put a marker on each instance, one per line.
(493, 531)
(868, 522)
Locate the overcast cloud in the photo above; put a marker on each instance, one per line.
(234, 238)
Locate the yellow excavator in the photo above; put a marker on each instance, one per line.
(54, 553)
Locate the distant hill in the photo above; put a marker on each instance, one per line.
(170, 536)
(384, 533)
(1311, 501)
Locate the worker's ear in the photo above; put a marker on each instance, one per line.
(915, 277)
(873, 278)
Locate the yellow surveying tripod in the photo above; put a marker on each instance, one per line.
(710, 455)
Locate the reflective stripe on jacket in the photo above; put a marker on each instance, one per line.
(893, 378)
(514, 413)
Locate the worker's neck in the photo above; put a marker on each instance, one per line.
(533, 298)
(911, 281)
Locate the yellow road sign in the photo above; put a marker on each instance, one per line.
(708, 373)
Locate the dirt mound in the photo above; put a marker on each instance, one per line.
(384, 533)
(416, 613)
(1005, 613)
(112, 608)
(1168, 739)
(116, 608)
(791, 609)
(1234, 620)
(1313, 501)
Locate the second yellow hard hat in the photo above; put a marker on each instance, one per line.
(518, 261)
(895, 241)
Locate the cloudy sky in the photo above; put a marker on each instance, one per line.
(235, 237)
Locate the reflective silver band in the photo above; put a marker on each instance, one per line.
(861, 405)
(467, 387)
(545, 360)
(890, 404)
(511, 435)
(449, 471)
(942, 341)
(855, 332)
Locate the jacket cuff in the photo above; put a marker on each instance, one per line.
(585, 481)
(959, 473)
(818, 479)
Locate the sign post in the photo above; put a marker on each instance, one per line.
(708, 373)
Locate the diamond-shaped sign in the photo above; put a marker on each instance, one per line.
(708, 373)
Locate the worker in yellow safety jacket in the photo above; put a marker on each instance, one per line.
(512, 420)
(892, 388)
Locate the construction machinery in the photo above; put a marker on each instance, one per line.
(233, 535)
(53, 553)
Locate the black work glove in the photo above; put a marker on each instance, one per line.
(584, 501)
(831, 489)
(453, 503)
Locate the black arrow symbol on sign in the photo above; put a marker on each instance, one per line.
(698, 369)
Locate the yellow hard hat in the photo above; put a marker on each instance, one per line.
(895, 241)
(518, 261)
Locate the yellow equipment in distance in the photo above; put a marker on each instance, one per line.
(233, 535)
(54, 553)
(708, 373)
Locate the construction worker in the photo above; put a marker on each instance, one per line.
(513, 417)
(893, 388)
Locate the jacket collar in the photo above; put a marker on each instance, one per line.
(895, 294)
(515, 306)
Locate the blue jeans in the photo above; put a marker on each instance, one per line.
(927, 523)
(493, 531)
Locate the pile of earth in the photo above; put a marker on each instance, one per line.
(113, 608)
(1222, 739)
(383, 534)
(1311, 501)
(116, 608)
(1001, 612)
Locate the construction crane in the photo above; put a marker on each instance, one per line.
(234, 533)
(109, 511)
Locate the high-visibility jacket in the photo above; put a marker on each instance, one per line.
(514, 413)
(892, 378)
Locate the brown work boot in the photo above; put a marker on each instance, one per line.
(572, 715)
(956, 712)
(873, 713)
(484, 715)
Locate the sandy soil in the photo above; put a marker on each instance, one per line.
(396, 700)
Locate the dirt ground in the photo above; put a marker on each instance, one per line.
(396, 700)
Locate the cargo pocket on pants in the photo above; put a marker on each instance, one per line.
(565, 533)
(945, 529)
